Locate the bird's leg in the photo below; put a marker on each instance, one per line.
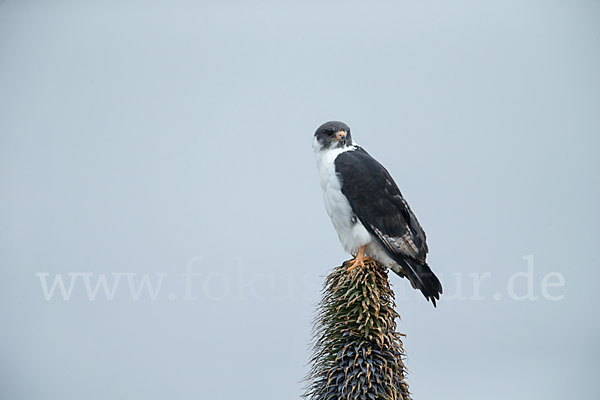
(359, 260)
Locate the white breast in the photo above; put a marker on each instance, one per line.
(351, 232)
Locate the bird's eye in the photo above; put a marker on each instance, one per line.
(329, 133)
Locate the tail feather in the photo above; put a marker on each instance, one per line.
(421, 277)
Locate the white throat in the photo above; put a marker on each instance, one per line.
(326, 160)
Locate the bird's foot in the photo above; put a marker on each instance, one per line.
(359, 260)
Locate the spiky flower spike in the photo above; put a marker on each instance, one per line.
(357, 351)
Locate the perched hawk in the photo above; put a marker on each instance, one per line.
(370, 215)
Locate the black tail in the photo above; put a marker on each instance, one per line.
(421, 277)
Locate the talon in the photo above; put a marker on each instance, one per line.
(359, 260)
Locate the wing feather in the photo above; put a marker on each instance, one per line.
(376, 200)
(378, 203)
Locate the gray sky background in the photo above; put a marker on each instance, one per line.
(141, 137)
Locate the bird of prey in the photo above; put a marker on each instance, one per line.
(371, 217)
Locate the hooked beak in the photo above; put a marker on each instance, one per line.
(341, 136)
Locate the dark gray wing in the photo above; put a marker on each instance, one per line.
(377, 202)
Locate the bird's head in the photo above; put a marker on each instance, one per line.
(332, 135)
